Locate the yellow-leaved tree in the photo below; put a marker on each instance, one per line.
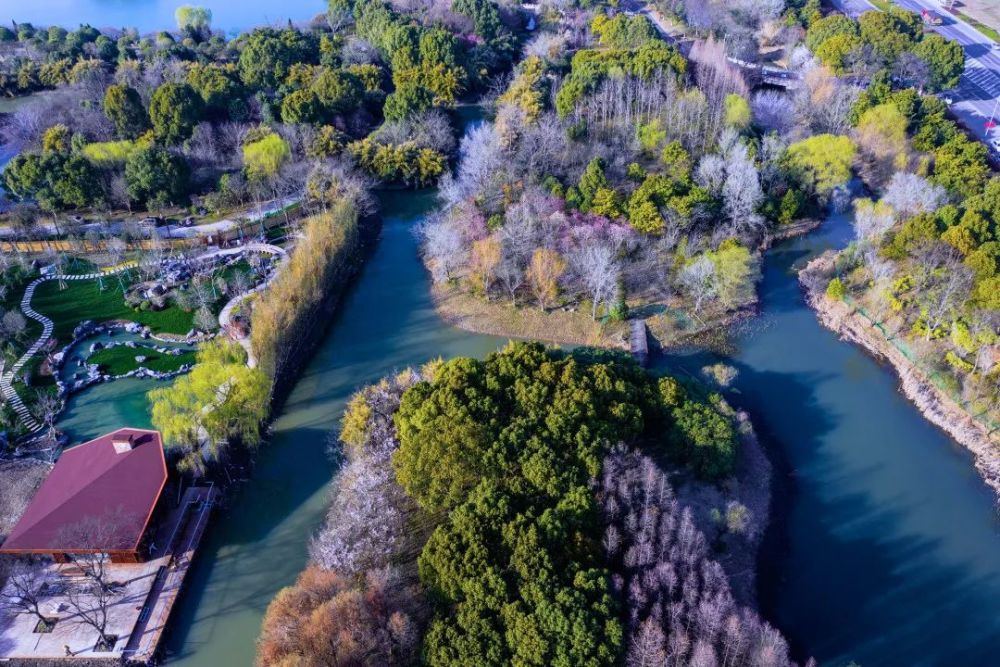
(219, 403)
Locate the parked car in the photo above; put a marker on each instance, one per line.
(150, 221)
(931, 18)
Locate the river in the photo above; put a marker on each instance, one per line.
(887, 547)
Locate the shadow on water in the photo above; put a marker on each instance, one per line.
(886, 549)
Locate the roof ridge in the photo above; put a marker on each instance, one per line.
(116, 462)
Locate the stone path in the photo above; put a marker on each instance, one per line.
(226, 314)
(7, 379)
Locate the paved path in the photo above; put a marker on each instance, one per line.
(226, 315)
(6, 379)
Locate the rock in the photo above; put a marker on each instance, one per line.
(139, 358)
(130, 344)
(95, 346)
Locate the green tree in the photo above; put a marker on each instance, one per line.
(944, 57)
(301, 106)
(219, 403)
(193, 20)
(56, 139)
(56, 181)
(830, 26)
(835, 51)
(154, 174)
(737, 111)
(835, 290)
(889, 33)
(267, 55)
(337, 90)
(961, 166)
(123, 107)
(263, 158)
(174, 109)
(406, 101)
(218, 86)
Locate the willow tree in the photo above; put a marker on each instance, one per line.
(219, 403)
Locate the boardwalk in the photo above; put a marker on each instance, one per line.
(181, 547)
(638, 342)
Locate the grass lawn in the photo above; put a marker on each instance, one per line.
(83, 300)
(120, 360)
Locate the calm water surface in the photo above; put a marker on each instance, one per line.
(154, 15)
(887, 553)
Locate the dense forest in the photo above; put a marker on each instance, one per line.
(124, 122)
(519, 510)
(628, 175)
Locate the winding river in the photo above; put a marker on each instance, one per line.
(886, 548)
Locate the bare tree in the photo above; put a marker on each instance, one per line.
(594, 262)
(741, 192)
(46, 409)
(697, 278)
(91, 539)
(26, 588)
(909, 195)
(443, 247)
(943, 284)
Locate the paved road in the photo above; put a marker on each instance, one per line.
(975, 99)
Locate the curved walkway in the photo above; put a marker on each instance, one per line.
(6, 379)
(226, 314)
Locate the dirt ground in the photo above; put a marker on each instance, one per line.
(984, 11)
(19, 479)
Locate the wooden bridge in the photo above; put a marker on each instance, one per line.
(639, 342)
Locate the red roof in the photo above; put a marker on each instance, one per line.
(95, 498)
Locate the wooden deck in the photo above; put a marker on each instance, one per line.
(639, 342)
(181, 545)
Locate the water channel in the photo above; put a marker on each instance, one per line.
(887, 546)
(887, 550)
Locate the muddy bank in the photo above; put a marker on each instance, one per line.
(572, 325)
(939, 408)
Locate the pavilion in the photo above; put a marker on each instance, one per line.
(99, 498)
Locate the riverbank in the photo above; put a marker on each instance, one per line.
(939, 408)
(669, 326)
(670, 321)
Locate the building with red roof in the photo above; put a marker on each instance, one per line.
(99, 498)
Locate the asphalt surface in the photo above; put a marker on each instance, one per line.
(975, 98)
(974, 101)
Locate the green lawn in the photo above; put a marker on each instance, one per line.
(83, 300)
(120, 360)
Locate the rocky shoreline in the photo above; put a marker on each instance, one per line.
(939, 408)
